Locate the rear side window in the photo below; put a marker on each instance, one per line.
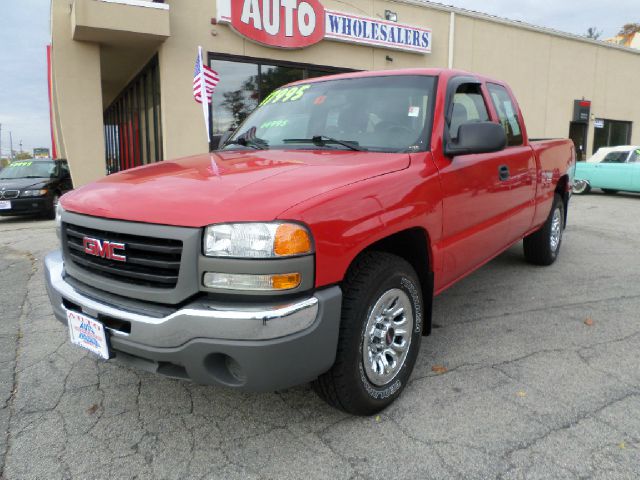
(468, 106)
(507, 113)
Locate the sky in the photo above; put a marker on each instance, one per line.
(24, 101)
(25, 32)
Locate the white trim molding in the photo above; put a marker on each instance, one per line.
(140, 3)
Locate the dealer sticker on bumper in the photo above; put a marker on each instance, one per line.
(88, 333)
(5, 205)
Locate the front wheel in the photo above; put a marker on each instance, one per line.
(380, 335)
(51, 211)
(581, 187)
(542, 246)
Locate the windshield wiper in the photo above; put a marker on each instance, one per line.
(257, 143)
(322, 140)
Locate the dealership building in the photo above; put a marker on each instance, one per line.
(121, 71)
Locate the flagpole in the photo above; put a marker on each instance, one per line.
(204, 97)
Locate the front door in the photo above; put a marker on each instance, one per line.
(578, 133)
(614, 172)
(476, 201)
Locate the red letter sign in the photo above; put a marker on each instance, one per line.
(279, 23)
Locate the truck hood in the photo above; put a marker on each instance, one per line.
(231, 186)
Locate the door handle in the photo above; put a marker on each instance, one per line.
(503, 172)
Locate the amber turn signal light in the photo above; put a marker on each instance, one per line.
(291, 239)
(285, 281)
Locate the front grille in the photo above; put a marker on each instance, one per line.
(9, 194)
(152, 262)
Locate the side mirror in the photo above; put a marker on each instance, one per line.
(477, 137)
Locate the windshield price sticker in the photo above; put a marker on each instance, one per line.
(275, 123)
(290, 94)
(20, 164)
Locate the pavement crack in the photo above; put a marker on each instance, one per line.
(569, 424)
(10, 403)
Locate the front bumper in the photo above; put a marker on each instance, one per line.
(256, 347)
(28, 206)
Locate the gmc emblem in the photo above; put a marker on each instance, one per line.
(103, 249)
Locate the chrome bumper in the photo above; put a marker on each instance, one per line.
(199, 319)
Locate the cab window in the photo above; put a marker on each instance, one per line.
(468, 106)
(507, 113)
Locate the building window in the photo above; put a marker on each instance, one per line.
(132, 123)
(244, 82)
(611, 134)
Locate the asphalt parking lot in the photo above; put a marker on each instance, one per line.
(532, 372)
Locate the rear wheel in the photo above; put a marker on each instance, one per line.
(608, 191)
(380, 334)
(542, 247)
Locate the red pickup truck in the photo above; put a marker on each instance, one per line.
(310, 245)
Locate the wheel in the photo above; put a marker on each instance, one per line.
(51, 211)
(581, 187)
(608, 191)
(543, 245)
(380, 335)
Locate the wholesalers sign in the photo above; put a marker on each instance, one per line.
(299, 24)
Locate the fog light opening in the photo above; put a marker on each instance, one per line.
(225, 370)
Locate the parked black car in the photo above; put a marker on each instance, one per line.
(33, 187)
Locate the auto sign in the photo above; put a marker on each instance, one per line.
(279, 23)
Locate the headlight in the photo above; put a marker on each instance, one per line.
(59, 211)
(256, 240)
(34, 193)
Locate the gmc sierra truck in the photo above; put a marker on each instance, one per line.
(310, 245)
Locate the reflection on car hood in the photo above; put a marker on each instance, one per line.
(227, 186)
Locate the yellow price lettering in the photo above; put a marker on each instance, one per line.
(300, 92)
(291, 94)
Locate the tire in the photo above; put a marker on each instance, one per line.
(376, 286)
(608, 191)
(581, 187)
(51, 211)
(542, 246)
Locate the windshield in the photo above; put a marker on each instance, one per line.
(28, 169)
(382, 114)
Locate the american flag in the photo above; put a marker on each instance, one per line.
(210, 77)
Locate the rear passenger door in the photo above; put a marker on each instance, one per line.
(517, 162)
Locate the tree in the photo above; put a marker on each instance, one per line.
(23, 156)
(593, 33)
(236, 103)
(629, 29)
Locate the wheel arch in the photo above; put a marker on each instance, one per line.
(414, 246)
(562, 189)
